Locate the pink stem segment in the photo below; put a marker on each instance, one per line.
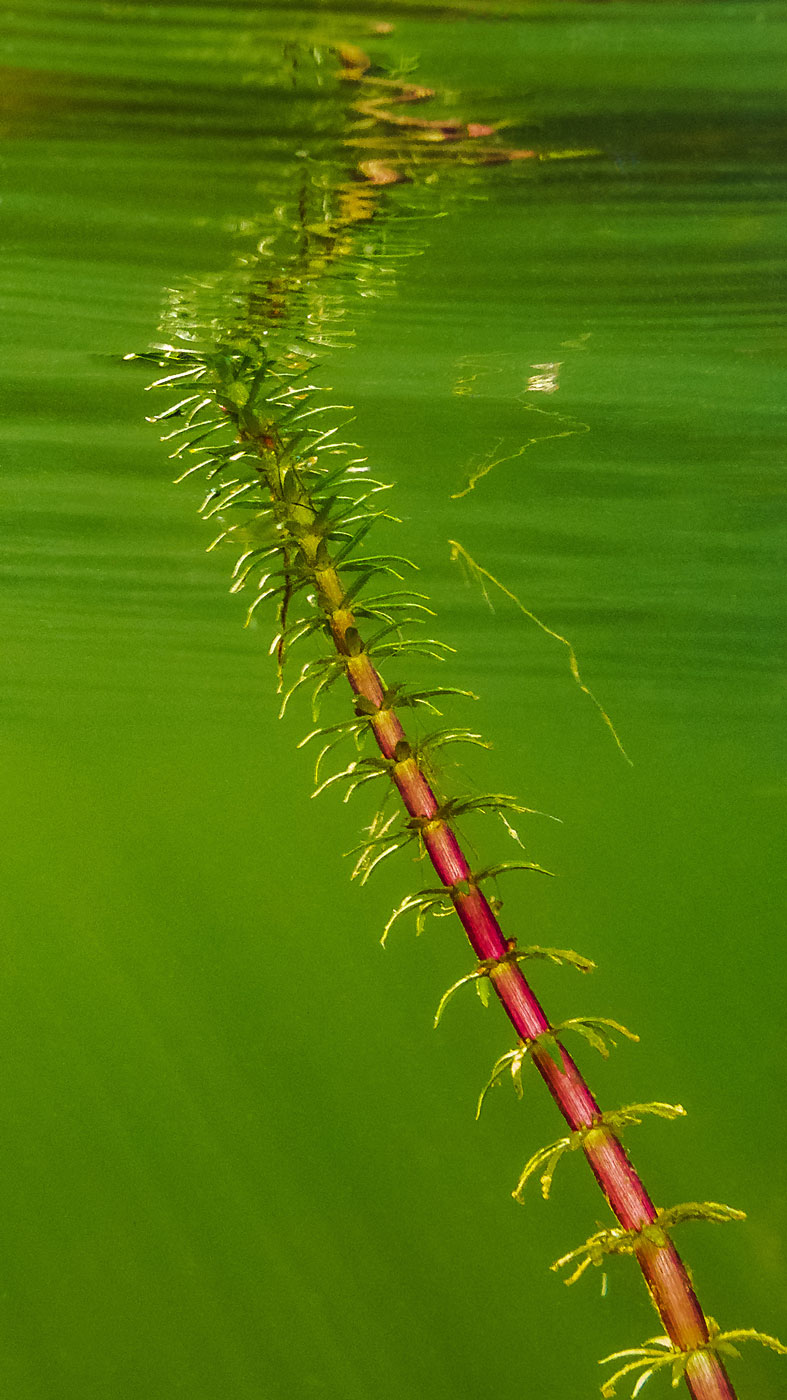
(664, 1272)
(663, 1269)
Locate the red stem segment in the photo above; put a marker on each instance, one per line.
(664, 1272)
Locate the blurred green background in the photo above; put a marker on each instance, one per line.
(236, 1159)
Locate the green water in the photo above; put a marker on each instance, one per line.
(237, 1161)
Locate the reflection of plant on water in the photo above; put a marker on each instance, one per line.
(296, 503)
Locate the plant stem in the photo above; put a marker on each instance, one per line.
(664, 1272)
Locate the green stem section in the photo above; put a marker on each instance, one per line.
(664, 1272)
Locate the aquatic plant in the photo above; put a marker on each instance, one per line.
(297, 503)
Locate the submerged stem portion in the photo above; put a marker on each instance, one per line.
(305, 533)
(298, 505)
